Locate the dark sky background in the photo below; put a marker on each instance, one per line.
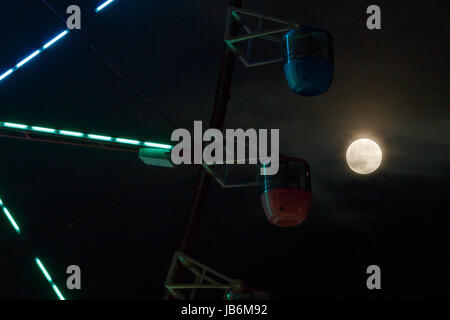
(390, 85)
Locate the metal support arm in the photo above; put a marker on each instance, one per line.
(202, 279)
(224, 184)
(271, 35)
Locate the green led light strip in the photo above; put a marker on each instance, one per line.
(49, 279)
(74, 134)
(59, 132)
(87, 136)
(10, 217)
(36, 259)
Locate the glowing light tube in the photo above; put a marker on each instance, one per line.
(49, 278)
(59, 36)
(46, 46)
(38, 262)
(100, 7)
(84, 136)
(9, 216)
(33, 55)
(7, 73)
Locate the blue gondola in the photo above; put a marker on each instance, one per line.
(308, 60)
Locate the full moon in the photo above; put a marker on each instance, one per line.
(364, 156)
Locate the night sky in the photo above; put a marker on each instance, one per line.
(390, 85)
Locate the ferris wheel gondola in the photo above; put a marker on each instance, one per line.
(308, 60)
(286, 197)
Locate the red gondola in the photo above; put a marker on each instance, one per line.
(286, 197)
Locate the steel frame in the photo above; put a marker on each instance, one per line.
(202, 278)
(273, 35)
(230, 52)
(222, 181)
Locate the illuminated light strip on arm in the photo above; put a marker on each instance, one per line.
(33, 55)
(157, 145)
(97, 137)
(84, 136)
(15, 125)
(49, 279)
(40, 129)
(45, 46)
(7, 73)
(100, 7)
(44, 130)
(51, 42)
(71, 133)
(39, 263)
(10, 217)
(128, 141)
